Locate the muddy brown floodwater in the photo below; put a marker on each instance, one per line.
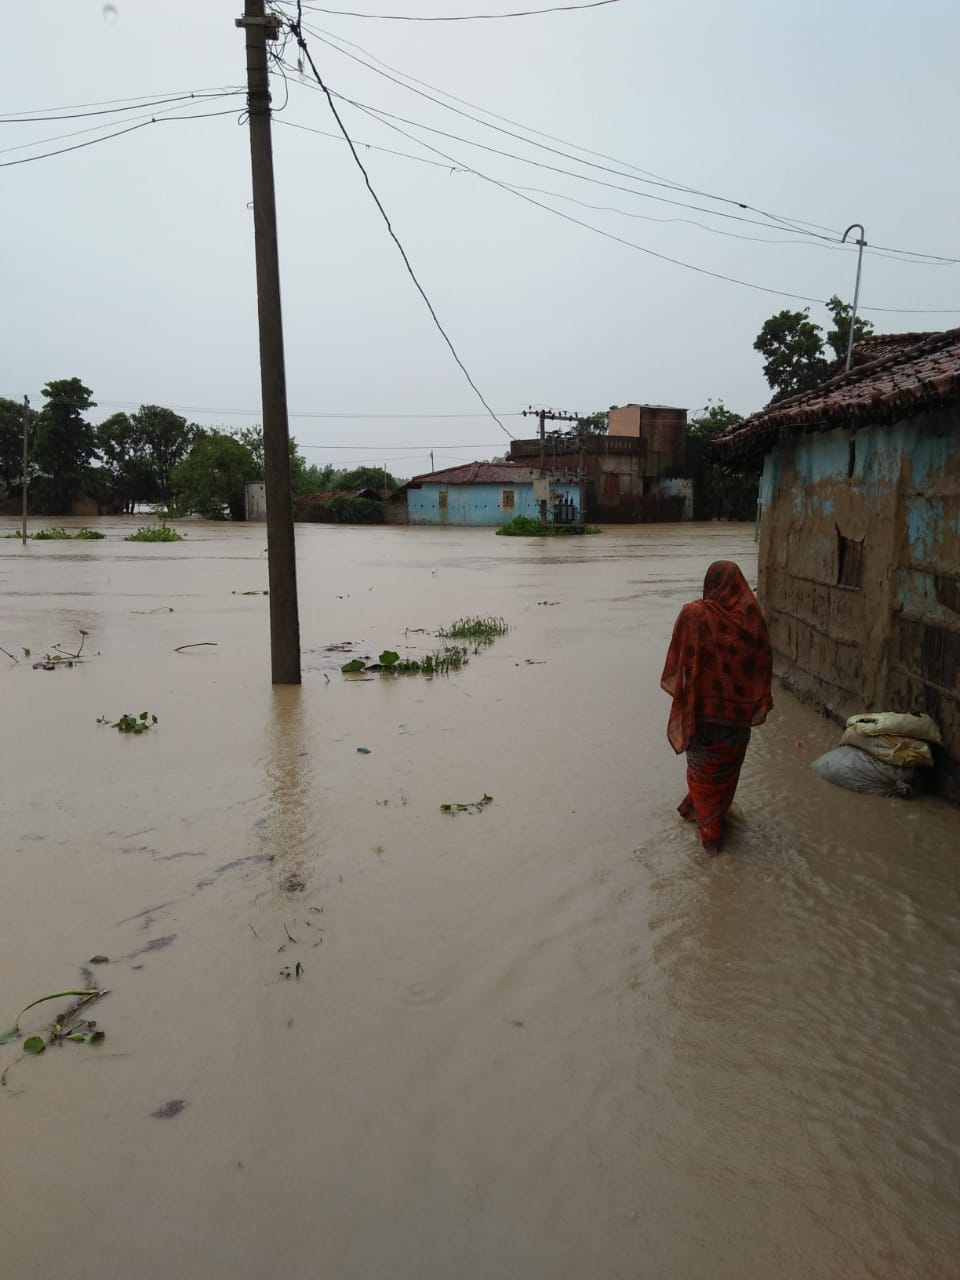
(545, 1041)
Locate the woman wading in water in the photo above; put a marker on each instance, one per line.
(718, 672)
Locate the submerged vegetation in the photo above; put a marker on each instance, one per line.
(472, 806)
(527, 527)
(130, 724)
(480, 630)
(155, 533)
(68, 1026)
(439, 663)
(61, 535)
(449, 657)
(60, 657)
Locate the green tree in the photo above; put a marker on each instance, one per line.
(64, 444)
(718, 492)
(594, 424)
(11, 442)
(164, 440)
(210, 481)
(795, 356)
(839, 335)
(121, 479)
(304, 478)
(792, 348)
(366, 477)
(314, 479)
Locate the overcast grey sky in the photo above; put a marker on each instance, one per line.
(129, 263)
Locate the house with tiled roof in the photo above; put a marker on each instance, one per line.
(859, 563)
(490, 493)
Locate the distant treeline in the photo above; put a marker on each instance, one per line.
(152, 456)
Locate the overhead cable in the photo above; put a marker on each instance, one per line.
(797, 225)
(653, 253)
(41, 112)
(461, 17)
(95, 128)
(298, 33)
(118, 133)
(199, 96)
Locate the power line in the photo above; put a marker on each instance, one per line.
(94, 128)
(717, 275)
(798, 225)
(460, 17)
(384, 116)
(650, 181)
(298, 33)
(559, 195)
(601, 208)
(199, 96)
(368, 146)
(118, 133)
(109, 102)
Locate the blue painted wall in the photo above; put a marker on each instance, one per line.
(880, 451)
(479, 504)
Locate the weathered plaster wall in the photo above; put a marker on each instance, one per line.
(893, 641)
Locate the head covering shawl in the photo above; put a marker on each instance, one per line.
(719, 663)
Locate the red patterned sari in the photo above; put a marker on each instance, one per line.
(718, 673)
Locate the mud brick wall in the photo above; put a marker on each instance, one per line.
(860, 570)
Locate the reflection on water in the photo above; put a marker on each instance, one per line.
(545, 1040)
(289, 834)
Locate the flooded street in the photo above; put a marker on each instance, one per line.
(545, 1041)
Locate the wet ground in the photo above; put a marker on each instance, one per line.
(545, 1041)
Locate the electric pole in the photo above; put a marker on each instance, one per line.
(856, 292)
(547, 415)
(23, 480)
(281, 547)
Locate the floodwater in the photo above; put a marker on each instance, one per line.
(545, 1041)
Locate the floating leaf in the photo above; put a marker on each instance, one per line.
(96, 1037)
(388, 657)
(34, 1044)
(354, 665)
(54, 995)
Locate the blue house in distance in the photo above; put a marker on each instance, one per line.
(489, 494)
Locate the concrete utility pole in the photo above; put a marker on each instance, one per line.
(281, 547)
(547, 415)
(23, 481)
(856, 292)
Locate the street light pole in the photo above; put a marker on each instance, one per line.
(856, 292)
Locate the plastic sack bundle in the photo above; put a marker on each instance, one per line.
(900, 723)
(890, 748)
(860, 771)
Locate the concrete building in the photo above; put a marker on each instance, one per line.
(860, 534)
(487, 493)
(628, 472)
